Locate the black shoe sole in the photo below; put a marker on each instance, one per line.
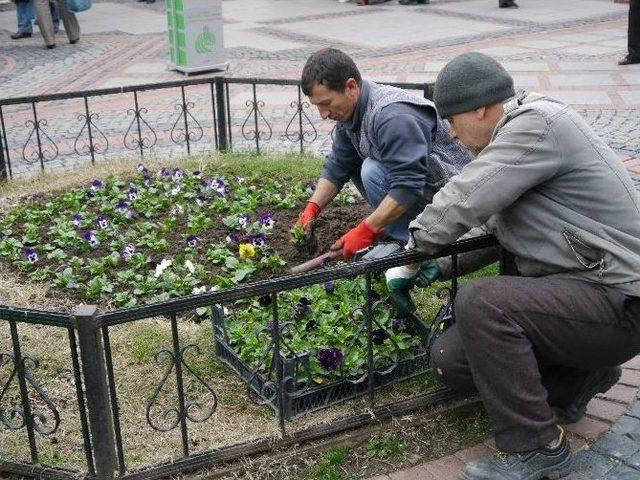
(572, 415)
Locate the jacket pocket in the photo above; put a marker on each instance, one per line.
(588, 256)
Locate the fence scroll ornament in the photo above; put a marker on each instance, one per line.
(45, 149)
(92, 146)
(299, 132)
(14, 417)
(195, 410)
(181, 135)
(256, 133)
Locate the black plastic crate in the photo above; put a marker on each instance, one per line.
(303, 396)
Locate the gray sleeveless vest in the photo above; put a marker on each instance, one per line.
(447, 156)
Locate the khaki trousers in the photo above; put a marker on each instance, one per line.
(45, 23)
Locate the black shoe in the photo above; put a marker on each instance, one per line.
(507, 4)
(533, 465)
(19, 35)
(73, 42)
(51, 46)
(598, 381)
(413, 2)
(627, 60)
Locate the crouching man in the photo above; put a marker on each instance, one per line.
(538, 346)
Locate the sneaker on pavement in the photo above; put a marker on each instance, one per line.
(598, 381)
(533, 465)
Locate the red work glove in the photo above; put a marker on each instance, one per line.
(355, 239)
(311, 211)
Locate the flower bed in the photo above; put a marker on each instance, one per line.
(120, 242)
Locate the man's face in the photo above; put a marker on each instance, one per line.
(336, 105)
(472, 129)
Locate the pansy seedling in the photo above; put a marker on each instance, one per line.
(162, 266)
(246, 250)
(202, 200)
(128, 251)
(220, 186)
(175, 190)
(232, 238)
(310, 187)
(102, 221)
(259, 240)
(96, 185)
(164, 173)
(192, 241)
(400, 323)
(243, 220)
(330, 358)
(240, 180)
(142, 169)
(77, 219)
(266, 221)
(378, 336)
(147, 180)
(91, 238)
(189, 266)
(329, 286)
(197, 174)
(133, 194)
(199, 290)
(31, 254)
(177, 175)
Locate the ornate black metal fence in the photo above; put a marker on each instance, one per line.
(34, 414)
(182, 117)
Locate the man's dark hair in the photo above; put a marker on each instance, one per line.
(329, 67)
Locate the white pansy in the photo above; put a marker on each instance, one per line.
(189, 265)
(162, 266)
(199, 290)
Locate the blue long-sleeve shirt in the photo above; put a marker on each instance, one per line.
(404, 134)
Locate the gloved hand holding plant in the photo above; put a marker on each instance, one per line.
(400, 281)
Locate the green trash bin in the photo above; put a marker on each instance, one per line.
(195, 35)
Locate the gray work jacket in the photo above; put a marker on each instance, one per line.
(552, 192)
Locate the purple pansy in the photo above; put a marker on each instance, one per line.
(330, 358)
(177, 174)
(123, 208)
(77, 219)
(266, 221)
(164, 172)
(31, 254)
(92, 239)
(264, 300)
(311, 324)
(2, 235)
(259, 240)
(142, 169)
(97, 185)
(375, 296)
(243, 220)
(147, 180)
(197, 174)
(329, 286)
(240, 180)
(220, 186)
(311, 186)
(133, 194)
(102, 221)
(232, 238)
(128, 251)
(192, 241)
(202, 200)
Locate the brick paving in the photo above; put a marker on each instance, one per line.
(567, 49)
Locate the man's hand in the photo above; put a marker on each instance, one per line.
(310, 212)
(355, 239)
(400, 281)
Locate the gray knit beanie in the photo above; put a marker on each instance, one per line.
(470, 81)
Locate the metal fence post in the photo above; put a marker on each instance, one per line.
(3, 165)
(427, 91)
(97, 391)
(222, 116)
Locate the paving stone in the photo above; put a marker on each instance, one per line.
(634, 460)
(620, 393)
(605, 410)
(622, 472)
(634, 363)
(628, 426)
(588, 428)
(592, 464)
(615, 445)
(415, 473)
(446, 468)
(630, 377)
(474, 453)
(634, 410)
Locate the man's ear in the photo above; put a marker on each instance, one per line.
(480, 113)
(351, 86)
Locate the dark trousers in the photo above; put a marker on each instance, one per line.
(633, 35)
(527, 344)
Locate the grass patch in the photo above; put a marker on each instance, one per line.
(145, 343)
(384, 446)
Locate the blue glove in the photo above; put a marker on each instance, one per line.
(400, 281)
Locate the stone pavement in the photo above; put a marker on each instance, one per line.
(566, 48)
